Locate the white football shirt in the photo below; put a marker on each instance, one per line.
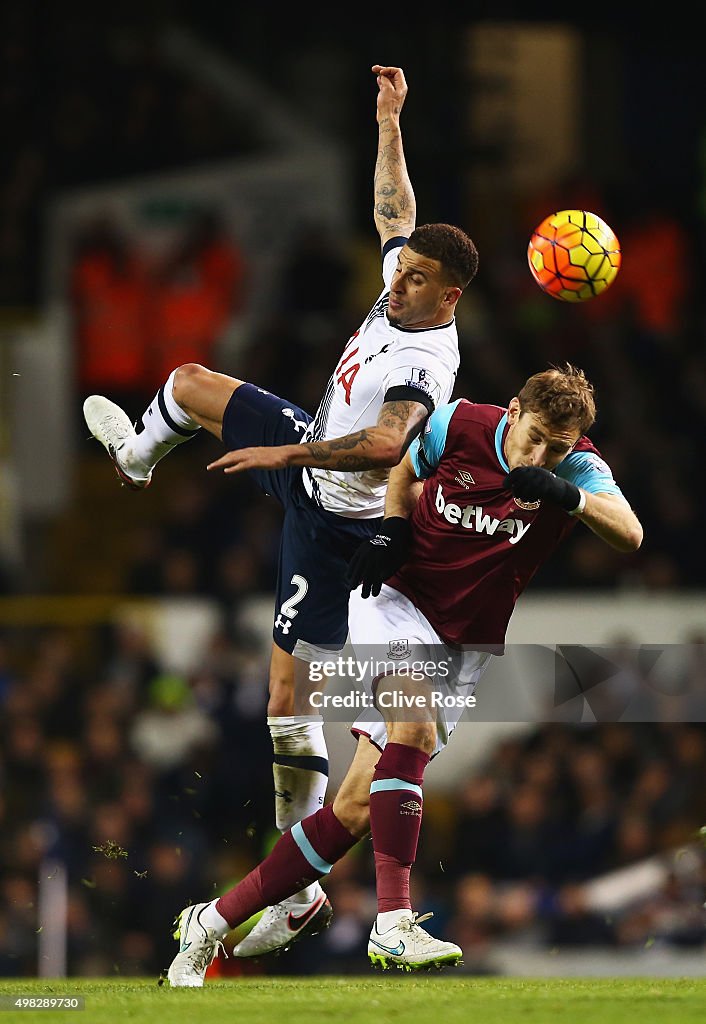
(378, 357)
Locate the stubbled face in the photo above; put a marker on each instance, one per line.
(529, 442)
(418, 295)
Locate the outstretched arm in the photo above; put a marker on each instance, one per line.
(377, 447)
(609, 516)
(395, 209)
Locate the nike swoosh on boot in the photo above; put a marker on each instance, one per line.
(397, 951)
(295, 922)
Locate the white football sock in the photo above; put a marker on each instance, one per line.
(164, 425)
(389, 918)
(210, 918)
(300, 770)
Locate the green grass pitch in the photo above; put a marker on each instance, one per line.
(445, 998)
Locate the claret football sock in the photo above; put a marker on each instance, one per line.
(299, 858)
(395, 821)
(164, 425)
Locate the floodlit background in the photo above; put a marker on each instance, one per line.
(194, 183)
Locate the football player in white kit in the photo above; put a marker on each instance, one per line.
(329, 472)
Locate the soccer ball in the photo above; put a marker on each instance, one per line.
(574, 255)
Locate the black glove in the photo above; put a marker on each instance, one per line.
(532, 483)
(377, 559)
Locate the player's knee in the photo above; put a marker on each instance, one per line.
(421, 735)
(189, 380)
(353, 812)
(281, 699)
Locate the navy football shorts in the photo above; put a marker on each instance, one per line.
(316, 546)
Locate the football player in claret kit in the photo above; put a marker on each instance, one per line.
(501, 489)
(498, 485)
(328, 471)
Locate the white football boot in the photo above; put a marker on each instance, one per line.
(409, 948)
(285, 923)
(198, 947)
(112, 427)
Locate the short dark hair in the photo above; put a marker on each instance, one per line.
(451, 246)
(561, 396)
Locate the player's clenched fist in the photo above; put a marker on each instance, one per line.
(393, 90)
(377, 559)
(533, 483)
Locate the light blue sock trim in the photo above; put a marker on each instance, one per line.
(308, 851)
(382, 784)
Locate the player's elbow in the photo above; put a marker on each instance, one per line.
(631, 538)
(635, 539)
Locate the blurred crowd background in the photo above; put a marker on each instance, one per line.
(155, 791)
(154, 786)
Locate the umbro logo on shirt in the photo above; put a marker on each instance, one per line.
(464, 478)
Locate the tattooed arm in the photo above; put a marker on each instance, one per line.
(395, 209)
(377, 447)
